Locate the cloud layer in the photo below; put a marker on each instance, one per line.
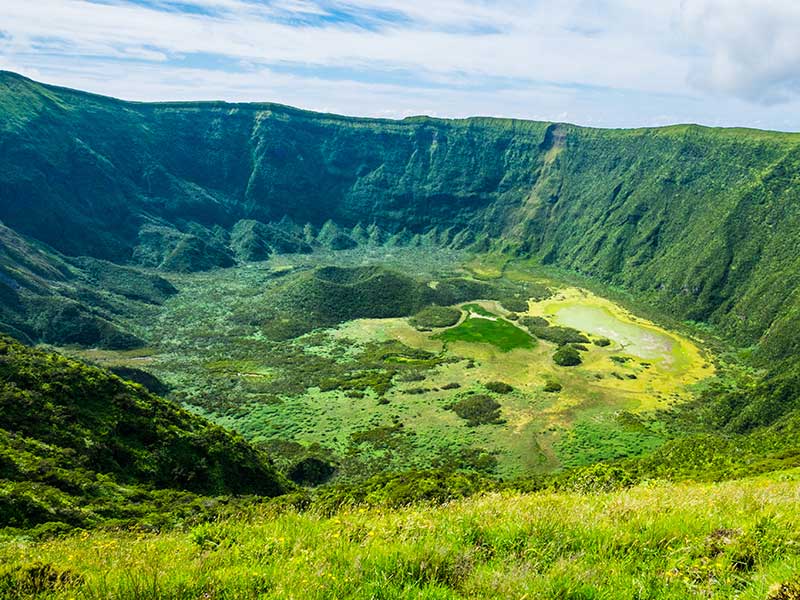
(600, 62)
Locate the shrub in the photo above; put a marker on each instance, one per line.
(542, 329)
(567, 356)
(602, 342)
(431, 317)
(513, 304)
(478, 409)
(311, 471)
(552, 386)
(534, 322)
(600, 477)
(36, 579)
(499, 387)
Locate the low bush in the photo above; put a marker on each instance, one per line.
(432, 317)
(567, 356)
(478, 409)
(552, 386)
(499, 387)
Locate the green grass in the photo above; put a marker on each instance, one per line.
(209, 347)
(596, 438)
(737, 539)
(499, 333)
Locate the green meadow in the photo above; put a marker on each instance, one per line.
(371, 386)
(738, 539)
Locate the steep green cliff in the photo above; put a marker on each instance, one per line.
(704, 222)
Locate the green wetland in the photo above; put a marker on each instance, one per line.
(376, 392)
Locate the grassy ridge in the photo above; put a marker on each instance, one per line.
(737, 539)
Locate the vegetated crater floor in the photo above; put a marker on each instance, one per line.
(644, 368)
(375, 394)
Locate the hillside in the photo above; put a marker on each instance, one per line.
(703, 222)
(79, 446)
(733, 540)
(393, 359)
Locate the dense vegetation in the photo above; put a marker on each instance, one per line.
(567, 356)
(135, 227)
(432, 317)
(78, 446)
(700, 221)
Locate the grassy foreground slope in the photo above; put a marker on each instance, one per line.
(731, 540)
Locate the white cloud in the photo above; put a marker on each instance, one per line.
(748, 48)
(605, 62)
(536, 47)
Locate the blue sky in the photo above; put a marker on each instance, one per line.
(608, 63)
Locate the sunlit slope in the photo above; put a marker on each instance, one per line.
(731, 540)
(703, 221)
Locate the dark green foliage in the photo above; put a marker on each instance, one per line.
(401, 489)
(602, 342)
(557, 335)
(567, 356)
(252, 240)
(472, 459)
(743, 410)
(192, 253)
(735, 428)
(431, 317)
(36, 579)
(514, 304)
(70, 434)
(125, 281)
(411, 376)
(534, 322)
(454, 290)
(384, 437)
(477, 409)
(552, 386)
(61, 321)
(153, 384)
(43, 297)
(499, 387)
(311, 471)
(378, 381)
(332, 295)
